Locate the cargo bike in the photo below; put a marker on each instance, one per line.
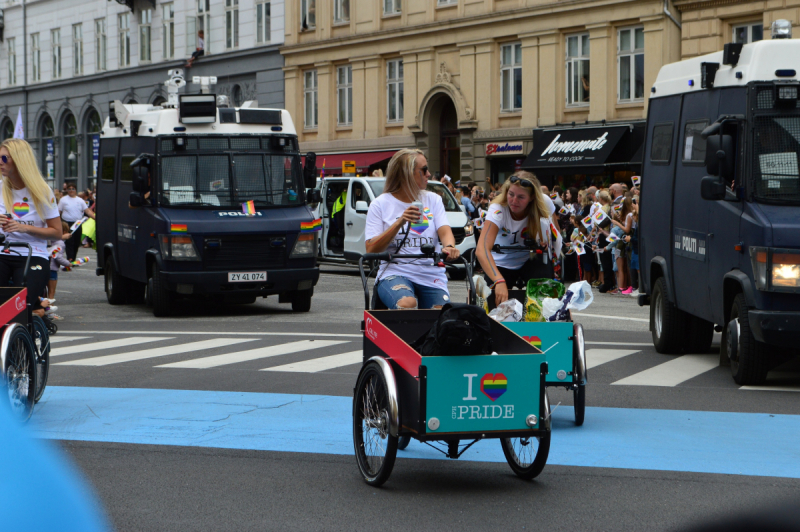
(562, 342)
(24, 344)
(447, 402)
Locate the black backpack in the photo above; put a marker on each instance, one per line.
(460, 329)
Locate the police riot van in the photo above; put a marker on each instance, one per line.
(201, 201)
(720, 205)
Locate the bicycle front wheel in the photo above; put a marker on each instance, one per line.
(19, 371)
(375, 447)
(41, 340)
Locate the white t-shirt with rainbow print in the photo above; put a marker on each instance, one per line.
(24, 211)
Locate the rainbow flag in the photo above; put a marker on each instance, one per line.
(618, 208)
(311, 227)
(249, 208)
(323, 168)
(553, 232)
(178, 228)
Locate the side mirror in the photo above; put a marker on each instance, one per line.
(362, 207)
(310, 170)
(313, 196)
(712, 188)
(136, 199)
(141, 169)
(720, 156)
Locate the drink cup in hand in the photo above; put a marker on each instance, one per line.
(418, 205)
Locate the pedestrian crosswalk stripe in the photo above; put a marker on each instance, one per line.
(597, 357)
(771, 388)
(252, 354)
(109, 344)
(59, 339)
(321, 364)
(674, 372)
(157, 352)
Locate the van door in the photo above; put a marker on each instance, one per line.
(690, 216)
(325, 215)
(356, 223)
(129, 221)
(106, 208)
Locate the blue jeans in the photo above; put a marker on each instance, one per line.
(395, 287)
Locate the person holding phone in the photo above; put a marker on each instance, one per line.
(401, 220)
(519, 211)
(28, 214)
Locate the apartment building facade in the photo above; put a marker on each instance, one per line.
(79, 56)
(468, 81)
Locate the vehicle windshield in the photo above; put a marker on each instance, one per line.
(776, 149)
(450, 204)
(230, 179)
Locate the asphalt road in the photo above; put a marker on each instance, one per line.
(155, 413)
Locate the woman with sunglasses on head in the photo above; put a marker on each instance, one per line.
(397, 226)
(519, 211)
(28, 214)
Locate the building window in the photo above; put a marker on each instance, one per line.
(70, 147)
(310, 98)
(341, 11)
(47, 151)
(263, 23)
(446, 2)
(200, 21)
(93, 127)
(100, 43)
(77, 49)
(55, 43)
(168, 29)
(344, 84)
(511, 77)
(630, 47)
(747, 33)
(145, 32)
(36, 58)
(394, 90)
(124, 20)
(12, 61)
(578, 69)
(7, 129)
(391, 7)
(231, 24)
(308, 14)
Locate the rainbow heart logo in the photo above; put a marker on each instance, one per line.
(493, 386)
(535, 341)
(422, 225)
(21, 209)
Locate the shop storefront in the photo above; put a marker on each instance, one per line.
(585, 156)
(365, 163)
(503, 159)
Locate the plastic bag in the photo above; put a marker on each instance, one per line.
(482, 292)
(578, 297)
(510, 310)
(537, 291)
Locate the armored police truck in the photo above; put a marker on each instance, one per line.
(720, 205)
(200, 200)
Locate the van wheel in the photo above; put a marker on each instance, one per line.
(665, 321)
(116, 285)
(301, 300)
(750, 363)
(699, 335)
(160, 297)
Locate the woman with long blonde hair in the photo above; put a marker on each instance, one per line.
(28, 214)
(519, 212)
(396, 225)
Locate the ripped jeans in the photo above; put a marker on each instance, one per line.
(395, 287)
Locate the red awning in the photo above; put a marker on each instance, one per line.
(363, 160)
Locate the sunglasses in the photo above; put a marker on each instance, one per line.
(5, 159)
(424, 170)
(521, 181)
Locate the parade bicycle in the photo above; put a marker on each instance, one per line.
(24, 343)
(442, 401)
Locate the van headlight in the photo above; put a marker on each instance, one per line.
(776, 270)
(305, 246)
(178, 247)
(469, 229)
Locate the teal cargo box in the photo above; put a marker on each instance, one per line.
(483, 394)
(554, 339)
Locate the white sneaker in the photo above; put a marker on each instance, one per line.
(50, 310)
(635, 293)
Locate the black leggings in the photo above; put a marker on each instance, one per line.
(73, 243)
(12, 268)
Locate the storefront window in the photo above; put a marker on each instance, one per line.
(70, 150)
(47, 148)
(93, 127)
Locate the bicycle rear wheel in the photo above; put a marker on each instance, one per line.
(41, 340)
(375, 447)
(19, 371)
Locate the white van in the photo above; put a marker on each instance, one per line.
(366, 189)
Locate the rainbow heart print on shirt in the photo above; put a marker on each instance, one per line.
(493, 386)
(422, 225)
(21, 209)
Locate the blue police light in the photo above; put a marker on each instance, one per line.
(691, 83)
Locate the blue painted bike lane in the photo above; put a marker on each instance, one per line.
(626, 438)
